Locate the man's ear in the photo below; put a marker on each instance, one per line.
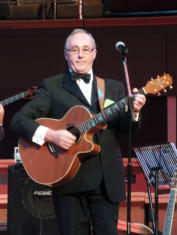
(95, 53)
(65, 55)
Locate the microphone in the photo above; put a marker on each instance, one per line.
(121, 48)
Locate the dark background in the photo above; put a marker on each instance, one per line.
(29, 55)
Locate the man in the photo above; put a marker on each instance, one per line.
(1, 122)
(91, 198)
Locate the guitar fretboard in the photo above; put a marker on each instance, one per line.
(103, 117)
(13, 98)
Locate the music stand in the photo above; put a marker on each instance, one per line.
(159, 164)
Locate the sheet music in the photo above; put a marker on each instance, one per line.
(162, 157)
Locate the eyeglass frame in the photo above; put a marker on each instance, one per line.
(75, 50)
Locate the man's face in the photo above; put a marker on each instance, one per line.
(79, 53)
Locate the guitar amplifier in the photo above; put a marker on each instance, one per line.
(30, 205)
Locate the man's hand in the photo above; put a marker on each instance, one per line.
(1, 114)
(138, 102)
(62, 138)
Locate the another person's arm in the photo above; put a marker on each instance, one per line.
(1, 122)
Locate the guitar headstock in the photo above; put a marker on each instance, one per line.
(158, 84)
(32, 91)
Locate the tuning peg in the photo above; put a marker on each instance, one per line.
(159, 94)
(165, 90)
(171, 87)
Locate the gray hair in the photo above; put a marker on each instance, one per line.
(75, 31)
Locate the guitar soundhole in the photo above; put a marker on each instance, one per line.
(75, 131)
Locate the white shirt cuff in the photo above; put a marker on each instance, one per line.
(39, 135)
(137, 117)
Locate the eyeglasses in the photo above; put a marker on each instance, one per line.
(76, 50)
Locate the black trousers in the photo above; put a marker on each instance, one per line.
(86, 213)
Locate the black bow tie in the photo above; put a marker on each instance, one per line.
(84, 76)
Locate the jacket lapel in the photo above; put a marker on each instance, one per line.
(72, 87)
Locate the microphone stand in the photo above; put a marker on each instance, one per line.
(129, 165)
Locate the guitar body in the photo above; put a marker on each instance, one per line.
(50, 169)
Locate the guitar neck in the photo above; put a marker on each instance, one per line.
(13, 98)
(170, 212)
(109, 113)
(106, 115)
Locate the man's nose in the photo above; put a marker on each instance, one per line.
(80, 53)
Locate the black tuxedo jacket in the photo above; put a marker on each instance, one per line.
(1, 133)
(56, 96)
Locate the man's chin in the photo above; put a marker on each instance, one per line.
(80, 71)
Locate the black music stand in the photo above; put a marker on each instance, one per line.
(159, 163)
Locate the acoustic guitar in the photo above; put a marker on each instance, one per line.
(53, 166)
(171, 206)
